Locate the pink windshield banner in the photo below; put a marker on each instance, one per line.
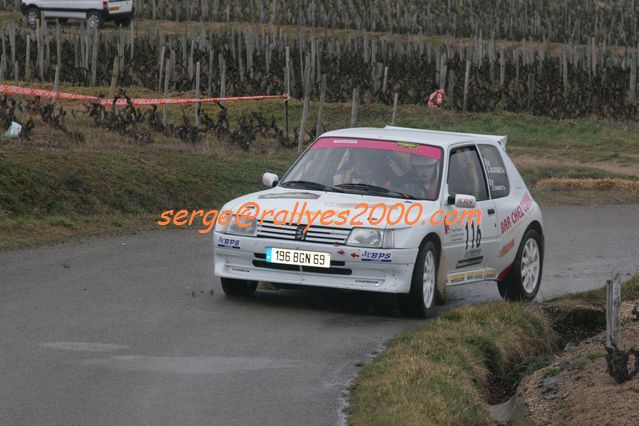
(408, 147)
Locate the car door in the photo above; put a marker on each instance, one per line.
(468, 245)
(54, 8)
(512, 202)
(79, 8)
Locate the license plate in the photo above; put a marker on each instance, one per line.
(298, 257)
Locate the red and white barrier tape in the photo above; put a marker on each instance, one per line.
(29, 91)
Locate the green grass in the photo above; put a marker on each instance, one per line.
(46, 193)
(629, 291)
(439, 373)
(551, 371)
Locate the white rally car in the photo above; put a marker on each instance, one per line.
(394, 193)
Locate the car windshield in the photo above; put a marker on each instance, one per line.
(364, 166)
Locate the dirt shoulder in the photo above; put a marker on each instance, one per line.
(576, 389)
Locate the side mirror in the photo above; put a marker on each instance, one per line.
(463, 201)
(270, 179)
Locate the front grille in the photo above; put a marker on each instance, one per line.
(316, 233)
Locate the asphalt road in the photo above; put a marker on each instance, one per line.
(135, 330)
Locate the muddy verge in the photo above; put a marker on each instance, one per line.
(572, 321)
(575, 389)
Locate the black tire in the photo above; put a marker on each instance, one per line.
(33, 17)
(416, 303)
(95, 19)
(242, 288)
(521, 284)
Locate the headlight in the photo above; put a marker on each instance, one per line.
(248, 228)
(369, 237)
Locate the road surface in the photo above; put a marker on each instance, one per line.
(135, 330)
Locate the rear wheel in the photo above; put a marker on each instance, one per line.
(33, 16)
(421, 299)
(94, 19)
(523, 280)
(234, 287)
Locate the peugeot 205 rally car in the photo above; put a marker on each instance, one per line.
(395, 194)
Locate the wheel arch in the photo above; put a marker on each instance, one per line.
(537, 227)
(442, 272)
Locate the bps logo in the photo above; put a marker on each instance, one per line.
(376, 256)
(228, 243)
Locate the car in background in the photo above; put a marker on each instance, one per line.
(429, 173)
(94, 12)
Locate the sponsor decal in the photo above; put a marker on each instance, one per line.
(237, 269)
(456, 233)
(474, 276)
(367, 282)
(469, 262)
(354, 255)
(340, 251)
(494, 169)
(518, 213)
(464, 277)
(490, 274)
(506, 248)
(228, 243)
(407, 145)
(376, 256)
(456, 279)
(419, 149)
(464, 202)
(472, 253)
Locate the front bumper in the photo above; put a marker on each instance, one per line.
(351, 267)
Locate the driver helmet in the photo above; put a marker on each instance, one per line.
(425, 166)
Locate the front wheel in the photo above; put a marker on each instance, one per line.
(421, 299)
(523, 281)
(234, 287)
(94, 20)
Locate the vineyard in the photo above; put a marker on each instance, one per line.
(557, 59)
(611, 21)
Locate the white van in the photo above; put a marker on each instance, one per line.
(95, 12)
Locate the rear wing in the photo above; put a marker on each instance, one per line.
(502, 140)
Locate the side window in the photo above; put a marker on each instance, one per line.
(495, 171)
(465, 173)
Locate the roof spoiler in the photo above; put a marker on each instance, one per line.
(502, 140)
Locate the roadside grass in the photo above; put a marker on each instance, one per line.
(51, 194)
(629, 291)
(447, 369)
(440, 372)
(589, 184)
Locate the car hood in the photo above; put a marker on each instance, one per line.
(279, 199)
